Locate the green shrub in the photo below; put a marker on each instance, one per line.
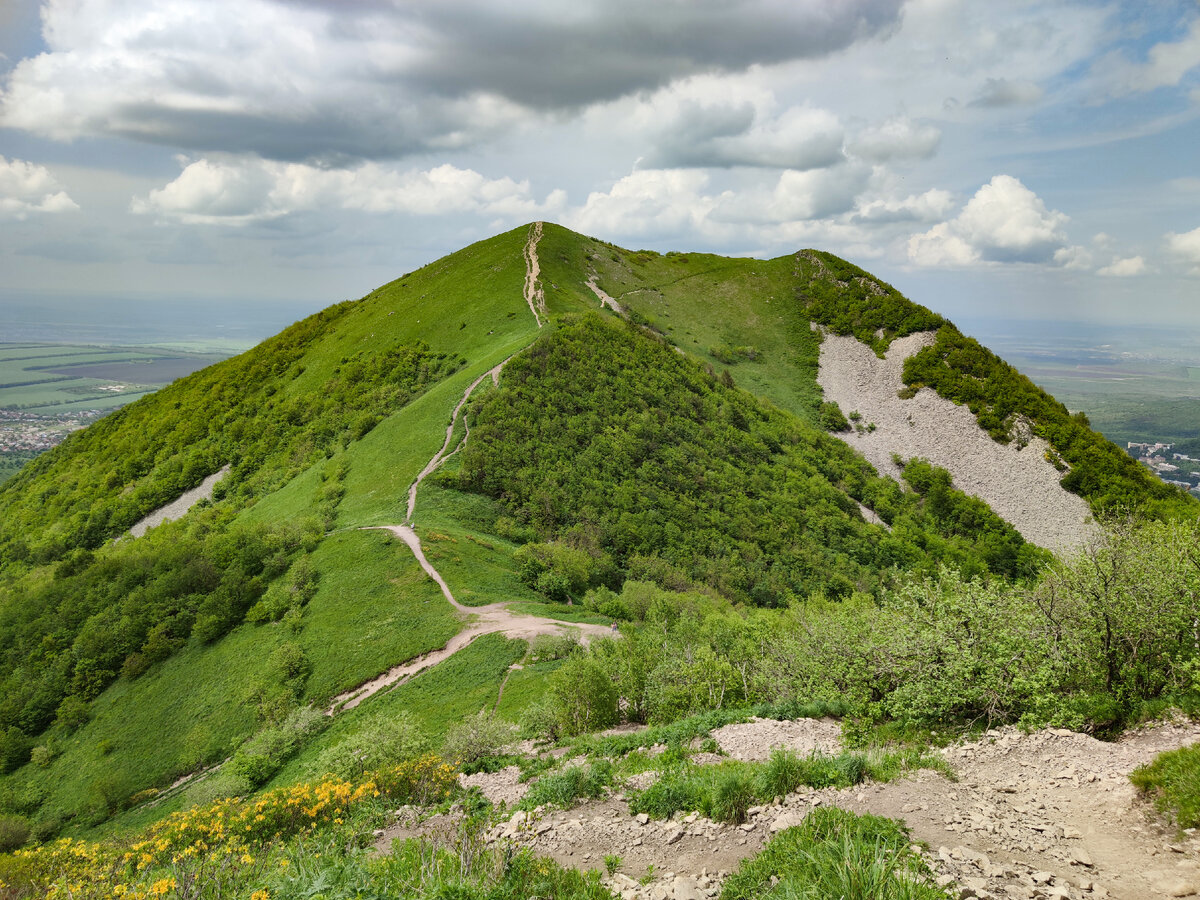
(783, 773)
(14, 832)
(479, 735)
(15, 748)
(733, 795)
(1173, 780)
(584, 696)
(574, 783)
(831, 418)
(546, 647)
(399, 739)
(835, 853)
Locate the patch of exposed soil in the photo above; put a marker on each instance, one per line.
(1016, 481)
(1033, 816)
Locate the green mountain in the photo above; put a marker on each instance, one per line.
(550, 420)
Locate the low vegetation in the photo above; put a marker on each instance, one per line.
(1088, 646)
(835, 853)
(1173, 781)
(725, 791)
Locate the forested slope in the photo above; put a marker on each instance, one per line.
(683, 442)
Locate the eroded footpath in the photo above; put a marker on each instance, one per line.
(1036, 816)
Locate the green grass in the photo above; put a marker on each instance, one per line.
(1173, 781)
(704, 303)
(385, 462)
(835, 853)
(566, 787)
(374, 608)
(476, 564)
(524, 687)
(437, 699)
(725, 791)
(144, 732)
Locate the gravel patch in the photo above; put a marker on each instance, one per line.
(176, 509)
(1020, 484)
(502, 786)
(754, 740)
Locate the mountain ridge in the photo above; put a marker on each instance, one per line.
(710, 469)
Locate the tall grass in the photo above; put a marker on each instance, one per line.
(1173, 780)
(835, 853)
(726, 791)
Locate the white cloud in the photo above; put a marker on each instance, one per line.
(1005, 92)
(896, 138)
(1003, 222)
(1186, 247)
(647, 203)
(1165, 66)
(336, 80)
(1124, 268)
(930, 206)
(1073, 257)
(29, 188)
(240, 190)
(797, 197)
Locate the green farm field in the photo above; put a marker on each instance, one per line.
(46, 379)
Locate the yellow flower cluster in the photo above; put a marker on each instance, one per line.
(229, 836)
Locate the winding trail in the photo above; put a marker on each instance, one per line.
(441, 456)
(605, 299)
(493, 618)
(534, 295)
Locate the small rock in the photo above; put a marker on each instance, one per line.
(685, 888)
(787, 820)
(1042, 877)
(674, 835)
(1174, 887)
(642, 818)
(1081, 857)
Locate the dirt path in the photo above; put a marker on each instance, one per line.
(534, 295)
(605, 299)
(493, 618)
(441, 456)
(1032, 816)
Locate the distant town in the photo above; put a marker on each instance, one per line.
(1174, 468)
(30, 433)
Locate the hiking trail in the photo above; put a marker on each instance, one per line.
(492, 618)
(534, 295)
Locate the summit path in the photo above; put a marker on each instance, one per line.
(493, 618)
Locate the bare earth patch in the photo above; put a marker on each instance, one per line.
(1032, 816)
(1020, 484)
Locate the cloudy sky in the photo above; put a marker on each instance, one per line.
(1017, 159)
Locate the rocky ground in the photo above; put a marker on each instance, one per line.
(1034, 816)
(1015, 479)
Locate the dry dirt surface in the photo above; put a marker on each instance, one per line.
(494, 617)
(1034, 816)
(1019, 483)
(534, 295)
(180, 505)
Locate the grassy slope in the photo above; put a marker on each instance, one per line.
(469, 304)
(438, 698)
(374, 608)
(702, 302)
